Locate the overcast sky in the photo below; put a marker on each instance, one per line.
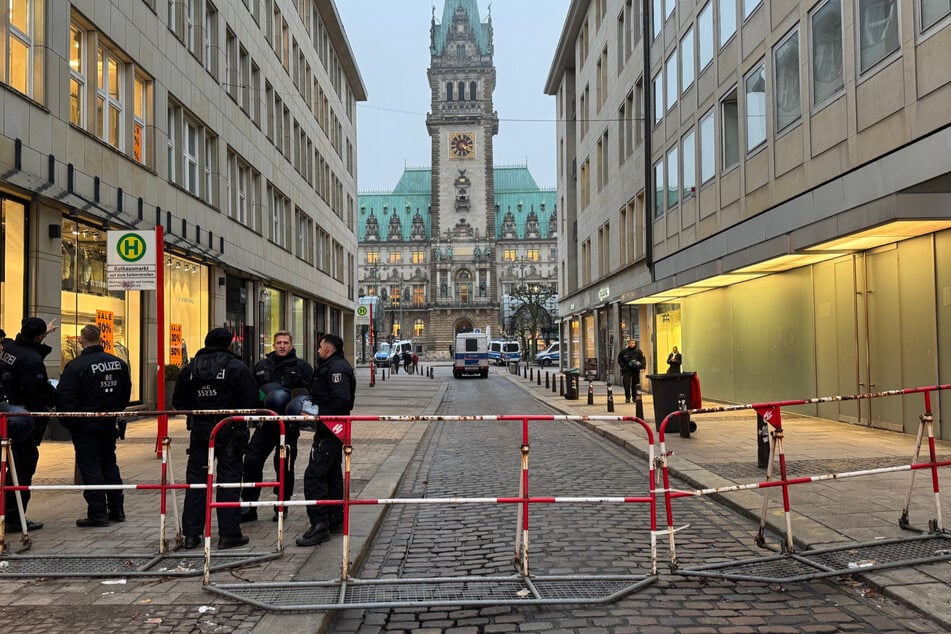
(390, 39)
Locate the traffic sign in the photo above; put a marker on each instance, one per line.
(363, 315)
(131, 260)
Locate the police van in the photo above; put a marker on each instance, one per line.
(502, 351)
(471, 354)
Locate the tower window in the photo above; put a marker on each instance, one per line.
(448, 91)
(460, 51)
(462, 91)
(472, 91)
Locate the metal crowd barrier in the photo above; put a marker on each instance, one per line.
(523, 588)
(816, 563)
(164, 562)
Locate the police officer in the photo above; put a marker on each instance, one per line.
(26, 383)
(280, 369)
(632, 361)
(95, 381)
(214, 379)
(333, 392)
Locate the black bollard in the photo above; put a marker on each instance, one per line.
(610, 398)
(638, 406)
(382, 374)
(554, 384)
(684, 418)
(546, 379)
(561, 385)
(538, 377)
(531, 374)
(590, 392)
(762, 442)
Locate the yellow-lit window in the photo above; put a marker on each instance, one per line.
(19, 70)
(396, 257)
(108, 99)
(373, 257)
(508, 255)
(419, 328)
(419, 294)
(139, 110)
(533, 255)
(419, 257)
(77, 79)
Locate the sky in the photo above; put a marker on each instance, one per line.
(390, 40)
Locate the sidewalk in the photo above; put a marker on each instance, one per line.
(722, 452)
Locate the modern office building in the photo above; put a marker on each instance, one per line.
(465, 244)
(767, 186)
(230, 124)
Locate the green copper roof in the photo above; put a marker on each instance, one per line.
(516, 192)
(483, 32)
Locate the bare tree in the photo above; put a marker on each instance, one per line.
(532, 317)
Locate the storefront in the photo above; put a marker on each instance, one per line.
(13, 240)
(270, 316)
(85, 299)
(186, 308)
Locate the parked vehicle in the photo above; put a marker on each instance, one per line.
(550, 355)
(471, 354)
(502, 351)
(382, 356)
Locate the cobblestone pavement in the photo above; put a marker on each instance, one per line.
(481, 459)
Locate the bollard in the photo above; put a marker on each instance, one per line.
(531, 374)
(638, 403)
(538, 377)
(610, 398)
(561, 385)
(554, 384)
(762, 442)
(590, 392)
(382, 374)
(546, 379)
(372, 375)
(684, 418)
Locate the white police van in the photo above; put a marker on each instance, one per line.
(502, 351)
(471, 354)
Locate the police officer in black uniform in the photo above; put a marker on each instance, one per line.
(215, 378)
(26, 383)
(95, 381)
(333, 392)
(632, 361)
(280, 369)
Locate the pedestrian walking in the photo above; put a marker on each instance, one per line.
(23, 374)
(407, 360)
(632, 361)
(674, 361)
(96, 381)
(280, 371)
(415, 363)
(215, 378)
(395, 363)
(333, 391)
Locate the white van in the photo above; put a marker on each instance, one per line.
(503, 351)
(471, 354)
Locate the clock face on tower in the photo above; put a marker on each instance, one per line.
(462, 145)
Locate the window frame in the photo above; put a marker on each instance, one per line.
(758, 70)
(106, 101)
(831, 95)
(793, 35)
(861, 31)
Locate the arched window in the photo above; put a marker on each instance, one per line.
(462, 91)
(448, 91)
(472, 91)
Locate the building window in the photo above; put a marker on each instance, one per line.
(419, 257)
(786, 81)
(670, 71)
(77, 76)
(657, 85)
(170, 147)
(749, 6)
(20, 31)
(532, 255)
(396, 257)
(689, 149)
(190, 156)
(730, 130)
(878, 29)
(756, 107)
(109, 108)
(932, 11)
(705, 35)
(660, 195)
(209, 33)
(673, 181)
(140, 107)
(727, 20)
(657, 22)
(508, 255)
(708, 155)
(827, 78)
(419, 326)
(686, 61)
(448, 91)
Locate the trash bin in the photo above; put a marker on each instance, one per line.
(513, 367)
(667, 390)
(572, 378)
